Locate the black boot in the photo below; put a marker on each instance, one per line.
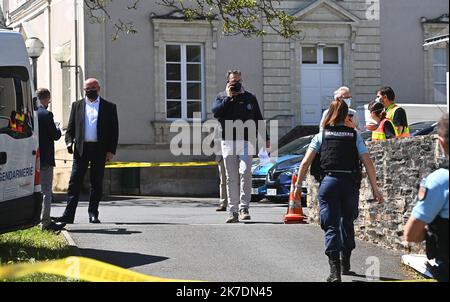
(335, 269)
(345, 263)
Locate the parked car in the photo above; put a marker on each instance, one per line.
(291, 151)
(422, 128)
(279, 178)
(366, 135)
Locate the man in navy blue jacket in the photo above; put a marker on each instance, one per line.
(237, 106)
(48, 134)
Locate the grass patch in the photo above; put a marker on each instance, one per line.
(33, 245)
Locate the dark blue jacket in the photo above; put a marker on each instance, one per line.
(48, 134)
(242, 107)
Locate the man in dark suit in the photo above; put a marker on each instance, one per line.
(48, 133)
(92, 136)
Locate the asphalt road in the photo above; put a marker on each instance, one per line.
(186, 239)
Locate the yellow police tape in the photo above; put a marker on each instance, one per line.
(80, 268)
(116, 165)
(85, 269)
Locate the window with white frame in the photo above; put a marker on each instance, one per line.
(439, 75)
(184, 80)
(329, 55)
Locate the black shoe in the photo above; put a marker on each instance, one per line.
(233, 218)
(345, 264)
(63, 219)
(94, 219)
(244, 214)
(221, 208)
(335, 270)
(54, 227)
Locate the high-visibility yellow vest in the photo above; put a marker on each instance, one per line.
(379, 135)
(17, 122)
(390, 112)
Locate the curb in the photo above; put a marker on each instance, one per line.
(72, 245)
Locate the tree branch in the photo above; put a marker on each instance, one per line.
(246, 17)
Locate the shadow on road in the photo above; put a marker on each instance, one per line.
(260, 222)
(122, 259)
(62, 198)
(148, 223)
(113, 231)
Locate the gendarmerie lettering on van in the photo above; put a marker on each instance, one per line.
(20, 193)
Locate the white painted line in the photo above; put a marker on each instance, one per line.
(418, 263)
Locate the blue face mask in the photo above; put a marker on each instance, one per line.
(348, 102)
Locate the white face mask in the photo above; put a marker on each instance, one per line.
(348, 102)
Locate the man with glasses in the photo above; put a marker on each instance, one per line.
(232, 107)
(343, 94)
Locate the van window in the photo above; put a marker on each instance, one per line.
(16, 106)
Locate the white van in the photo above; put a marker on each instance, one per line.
(20, 192)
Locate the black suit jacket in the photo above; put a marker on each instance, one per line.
(48, 134)
(107, 126)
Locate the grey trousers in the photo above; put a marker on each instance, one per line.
(46, 184)
(239, 178)
(223, 184)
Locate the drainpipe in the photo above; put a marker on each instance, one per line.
(76, 48)
(49, 39)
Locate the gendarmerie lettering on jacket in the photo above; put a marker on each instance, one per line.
(338, 134)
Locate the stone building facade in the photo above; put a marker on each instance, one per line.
(171, 68)
(341, 43)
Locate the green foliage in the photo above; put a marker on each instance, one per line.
(97, 11)
(239, 16)
(246, 17)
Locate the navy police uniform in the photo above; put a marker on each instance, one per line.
(432, 209)
(339, 148)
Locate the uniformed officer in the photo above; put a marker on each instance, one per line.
(429, 218)
(341, 149)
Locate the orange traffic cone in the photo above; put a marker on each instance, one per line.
(295, 212)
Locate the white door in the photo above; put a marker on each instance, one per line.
(17, 147)
(321, 75)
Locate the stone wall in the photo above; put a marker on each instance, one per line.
(400, 165)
